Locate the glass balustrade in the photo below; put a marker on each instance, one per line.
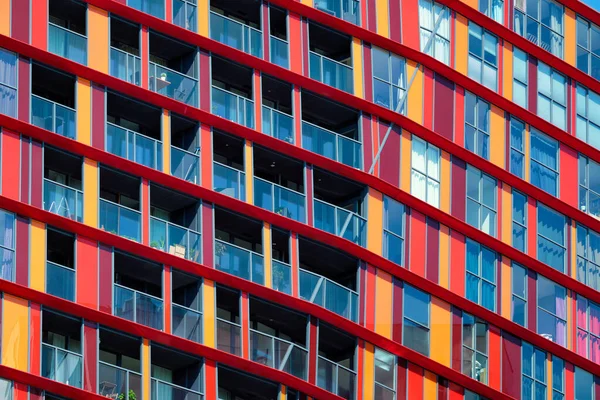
(341, 222)
(331, 72)
(67, 44)
(115, 382)
(162, 390)
(125, 66)
(63, 200)
(235, 34)
(60, 281)
(52, 116)
(185, 165)
(280, 200)
(229, 337)
(120, 220)
(279, 52)
(233, 107)
(239, 262)
(278, 353)
(152, 7)
(331, 145)
(278, 124)
(138, 307)
(329, 294)
(229, 181)
(187, 323)
(184, 14)
(348, 10)
(62, 365)
(281, 275)
(133, 146)
(336, 378)
(173, 84)
(174, 239)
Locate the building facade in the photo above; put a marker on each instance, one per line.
(324, 199)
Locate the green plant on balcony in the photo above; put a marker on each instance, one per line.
(130, 396)
(158, 244)
(284, 211)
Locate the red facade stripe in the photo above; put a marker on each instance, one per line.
(35, 330)
(105, 278)
(24, 89)
(433, 250)
(37, 173)
(511, 366)
(25, 161)
(98, 115)
(90, 356)
(87, 272)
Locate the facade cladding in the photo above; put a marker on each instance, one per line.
(324, 199)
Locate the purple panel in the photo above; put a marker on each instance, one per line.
(25, 153)
(368, 74)
(98, 113)
(511, 366)
(305, 47)
(309, 195)
(456, 339)
(531, 301)
(24, 89)
(372, 15)
(389, 166)
(433, 250)
(106, 279)
(22, 250)
(459, 172)
(20, 20)
(90, 356)
(204, 81)
(367, 138)
(397, 312)
(443, 107)
(395, 20)
(37, 172)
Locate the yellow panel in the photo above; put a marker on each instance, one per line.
(462, 43)
(166, 141)
(506, 275)
(5, 17)
(506, 222)
(430, 385)
(15, 332)
(445, 182)
(508, 71)
(444, 256)
(526, 148)
(570, 36)
(415, 93)
(383, 304)
(98, 39)
(282, 393)
(208, 289)
(90, 192)
(573, 249)
(357, 67)
(84, 109)
(203, 14)
(146, 370)
(441, 323)
(383, 18)
(497, 132)
(37, 264)
(369, 371)
(267, 254)
(249, 172)
(307, 2)
(471, 3)
(405, 160)
(375, 221)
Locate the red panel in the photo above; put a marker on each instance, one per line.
(245, 317)
(415, 381)
(98, 115)
(456, 392)
(443, 107)
(410, 26)
(90, 356)
(569, 381)
(204, 81)
(35, 338)
(145, 50)
(167, 292)
(362, 294)
(395, 20)
(206, 157)
(456, 349)
(457, 266)
(87, 272)
(309, 194)
(397, 311)
(459, 120)
(367, 137)
(11, 150)
(428, 99)
(368, 72)
(39, 24)
(568, 168)
(407, 240)
(35, 394)
(24, 88)
(210, 371)
(20, 20)
(402, 383)
(371, 15)
(390, 160)
(25, 159)
(417, 243)
(266, 38)
(207, 235)
(532, 300)
(312, 351)
(295, 261)
(370, 298)
(511, 366)
(106, 279)
(145, 212)
(22, 250)
(20, 391)
(37, 172)
(297, 104)
(296, 46)
(442, 389)
(531, 227)
(169, 11)
(305, 47)
(494, 377)
(459, 184)
(532, 85)
(433, 250)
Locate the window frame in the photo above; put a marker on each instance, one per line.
(444, 13)
(473, 346)
(394, 374)
(518, 296)
(517, 80)
(482, 176)
(480, 132)
(480, 278)
(533, 378)
(539, 309)
(587, 51)
(488, 10)
(551, 97)
(522, 225)
(481, 59)
(587, 330)
(587, 259)
(425, 173)
(12, 239)
(521, 10)
(585, 119)
(416, 323)
(563, 246)
(585, 187)
(387, 232)
(533, 161)
(6, 87)
(389, 82)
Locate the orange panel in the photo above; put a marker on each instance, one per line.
(461, 29)
(375, 221)
(441, 323)
(430, 385)
(383, 304)
(5, 17)
(98, 39)
(415, 93)
(570, 36)
(15, 332)
(497, 132)
(11, 152)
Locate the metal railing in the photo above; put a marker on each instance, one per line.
(152, 7)
(279, 354)
(62, 365)
(133, 146)
(236, 34)
(162, 390)
(277, 124)
(53, 117)
(229, 337)
(279, 52)
(341, 222)
(63, 200)
(229, 181)
(67, 44)
(331, 72)
(335, 378)
(60, 281)
(175, 239)
(185, 165)
(240, 262)
(331, 145)
(173, 84)
(280, 200)
(116, 381)
(120, 220)
(184, 14)
(138, 307)
(187, 323)
(125, 66)
(233, 107)
(281, 276)
(348, 10)
(328, 294)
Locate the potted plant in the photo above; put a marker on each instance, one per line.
(158, 244)
(284, 211)
(130, 396)
(163, 76)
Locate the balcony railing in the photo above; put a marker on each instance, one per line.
(52, 116)
(120, 220)
(229, 337)
(173, 84)
(336, 378)
(184, 14)
(115, 382)
(235, 34)
(62, 365)
(331, 72)
(133, 146)
(63, 200)
(185, 165)
(162, 390)
(152, 7)
(67, 44)
(279, 199)
(328, 294)
(187, 323)
(233, 107)
(345, 9)
(341, 222)
(229, 181)
(279, 52)
(279, 354)
(138, 307)
(125, 66)
(278, 124)
(331, 145)
(60, 281)
(240, 262)
(175, 239)
(281, 276)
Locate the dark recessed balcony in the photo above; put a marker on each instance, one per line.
(330, 57)
(175, 375)
(237, 24)
(60, 264)
(277, 119)
(67, 29)
(125, 61)
(232, 91)
(63, 183)
(120, 204)
(119, 365)
(228, 165)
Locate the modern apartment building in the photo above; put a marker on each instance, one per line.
(289, 200)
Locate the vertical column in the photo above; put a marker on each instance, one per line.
(25, 170)
(459, 123)
(207, 235)
(507, 67)
(169, 11)
(390, 163)
(532, 303)
(145, 209)
(295, 262)
(459, 181)
(105, 277)
(415, 93)
(405, 157)
(266, 31)
(39, 23)
(396, 20)
(90, 356)
(203, 13)
(357, 67)
(531, 227)
(461, 30)
(37, 172)
(145, 55)
(432, 263)
(35, 338)
(249, 169)
(383, 306)
(532, 85)
(11, 150)
(167, 297)
(87, 272)
(397, 309)
(166, 142)
(210, 371)
(495, 360)
(410, 26)
(205, 80)
(296, 44)
(457, 262)
(15, 332)
(208, 321)
(206, 157)
(245, 320)
(416, 385)
(368, 371)
(98, 116)
(570, 40)
(497, 140)
(445, 182)
(418, 237)
(429, 385)
(457, 339)
(368, 71)
(506, 289)
(428, 97)
(444, 270)
(441, 322)
(90, 193)
(267, 247)
(257, 100)
(282, 392)
(37, 252)
(24, 82)
(506, 220)
(305, 47)
(22, 251)
(98, 39)
(297, 104)
(146, 369)
(20, 20)
(309, 180)
(375, 221)
(568, 167)
(312, 350)
(84, 110)
(369, 296)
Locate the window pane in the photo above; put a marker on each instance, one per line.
(584, 383)
(394, 216)
(416, 305)
(519, 280)
(416, 337)
(384, 367)
(551, 224)
(380, 64)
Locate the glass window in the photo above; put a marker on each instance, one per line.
(481, 275)
(558, 378)
(385, 375)
(6, 389)
(552, 312)
(472, 396)
(552, 96)
(589, 186)
(588, 117)
(517, 147)
(425, 175)
(393, 230)
(588, 329)
(481, 200)
(416, 320)
(519, 219)
(533, 369)
(588, 48)
(7, 246)
(483, 56)
(475, 348)
(588, 257)
(520, 73)
(551, 237)
(544, 162)
(541, 22)
(8, 83)
(389, 79)
(430, 13)
(584, 385)
(493, 9)
(477, 125)
(519, 295)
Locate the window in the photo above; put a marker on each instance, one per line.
(416, 320)
(519, 295)
(551, 237)
(472, 396)
(588, 329)
(481, 200)
(552, 98)
(425, 179)
(588, 257)
(517, 148)
(589, 186)
(8, 83)
(6, 389)
(475, 348)
(184, 14)
(588, 118)
(7, 246)
(389, 79)
(541, 22)
(429, 13)
(519, 218)
(481, 275)
(520, 77)
(477, 125)
(544, 162)
(385, 374)
(552, 311)
(483, 56)
(558, 378)
(584, 385)
(533, 368)
(493, 9)
(588, 48)
(393, 230)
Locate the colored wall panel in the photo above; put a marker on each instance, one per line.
(87, 273)
(415, 93)
(531, 304)
(167, 294)
(506, 220)
(98, 114)
(375, 221)
(428, 94)
(383, 21)
(37, 172)
(105, 277)
(209, 303)
(368, 76)
(39, 23)
(532, 85)
(145, 55)
(210, 371)
(145, 211)
(443, 107)
(146, 369)
(457, 266)
(15, 332)
(249, 169)
(395, 20)
(24, 86)
(357, 67)
(368, 143)
(90, 193)
(267, 247)
(511, 366)
(459, 122)
(296, 45)
(22, 251)
(397, 311)
(507, 69)
(459, 180)
(389, 165)
(570, 40)
(309, 194)
(383, 306)
(369, 371)
(415, 381)
(206, 158)
(257, 100)
(84, 111)
(441, 324)
(445, 182)
(418, 238)
(461, 30)
(11, 151)
(5, 17)
(90, 356)
(497, 139)
(295, 261)
(35, 333)
(568, 168)
(37, 251)
(25, 171)
(369, 297)
(456, 339)
(433, 250)
(444, 257)
(203, 17)
(430, 385)
(204, 81)
(410, 26)
(531, 227)
(405, 157)
(207, 235)
(506, 290)
(494, 376)
(166, 141)
(98, 36)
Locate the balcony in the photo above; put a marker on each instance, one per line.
(61, 348)
(120, 204)
(335, 378)
(278, 199)
(277, 124)
(228, 165)
(330, 57)
(229, 181)
(119, 365)
(331, 145)
(175, 375)
(133, 146)
(60, 281)
(238, 261)
(232, 91)
(335, 363)
(67, 30)
(138, 307)
(125, 61)
(184, 14)
(63, 200)
(186, 311)
(328, 294)
(238, 385)
(62, 365)
(53, 117)
(340, 222)
(164, 390)
(62, 184)
(174, 239)
(330, 72)
(152, 7)
(237, 24)
(229, 328)
(60, 264)
(277, 119)
(117, 383)
(120, 220)
(233, 107)
(185, 149)
(279, 46)
(348, 10)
